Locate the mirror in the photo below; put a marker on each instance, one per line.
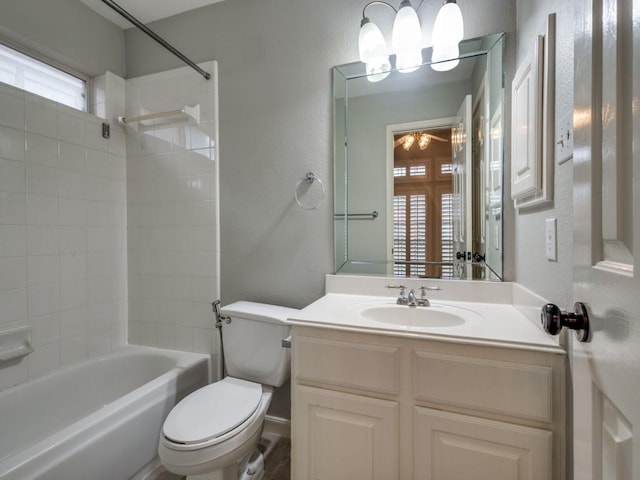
(418, 165)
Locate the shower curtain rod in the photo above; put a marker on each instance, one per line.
(118, 9)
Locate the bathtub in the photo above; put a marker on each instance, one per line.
(97, 420)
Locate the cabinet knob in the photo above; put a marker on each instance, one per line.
(553, 319)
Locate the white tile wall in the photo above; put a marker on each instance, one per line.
(62, 232)
(173, 226)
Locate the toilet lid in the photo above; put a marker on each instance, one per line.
(212, 411)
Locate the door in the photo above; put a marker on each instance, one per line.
(462, 177)
(340, 436)
(606, 370)
(451, 446)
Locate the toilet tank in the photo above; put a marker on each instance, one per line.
(252, 342)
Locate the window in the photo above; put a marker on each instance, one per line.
(31, 75)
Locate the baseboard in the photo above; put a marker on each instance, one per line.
(277, 426)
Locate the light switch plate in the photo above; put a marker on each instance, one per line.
(550, 241)
(564, 138)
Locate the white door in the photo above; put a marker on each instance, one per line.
(606, 370)
(462, 170)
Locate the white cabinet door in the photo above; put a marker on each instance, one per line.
(339, 436)
(606, 118)
(450, 446)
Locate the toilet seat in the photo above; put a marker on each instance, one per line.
(211, 412)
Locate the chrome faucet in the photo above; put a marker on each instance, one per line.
(410, 300)
(401, 300)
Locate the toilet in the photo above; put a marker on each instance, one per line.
(213, 433)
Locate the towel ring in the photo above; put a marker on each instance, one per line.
(309, 179)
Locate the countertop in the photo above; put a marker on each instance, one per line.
(494, 324)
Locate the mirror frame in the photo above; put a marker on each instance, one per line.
(341, 75)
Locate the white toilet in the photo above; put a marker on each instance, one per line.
(213, 433)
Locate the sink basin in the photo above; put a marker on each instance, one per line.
(417, 317)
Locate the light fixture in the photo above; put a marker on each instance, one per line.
(373, 51)
(409, 140)
(421, 138)
(448, 31)
(406, 40)
(423, 141)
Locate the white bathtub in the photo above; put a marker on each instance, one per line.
(97, 420)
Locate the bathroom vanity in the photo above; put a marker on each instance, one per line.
(458, 390)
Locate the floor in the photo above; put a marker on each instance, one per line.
(278, 461)
(277, 451)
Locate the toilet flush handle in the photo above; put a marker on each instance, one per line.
(286, 342)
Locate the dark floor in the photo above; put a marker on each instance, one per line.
(278, 462)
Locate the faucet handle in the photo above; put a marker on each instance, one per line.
(401, 287)
(424, 288)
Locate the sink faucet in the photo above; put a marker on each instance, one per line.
(410, 300)
(401, 300)
(423, 301)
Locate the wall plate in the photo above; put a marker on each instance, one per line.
(564, 138)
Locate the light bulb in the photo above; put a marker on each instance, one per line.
(424, 141)
(445, 58)
(373, 51)
(406, 38)
(409, 61)
(371, 44)
(448, 28)
(379, 70)
(409, 140)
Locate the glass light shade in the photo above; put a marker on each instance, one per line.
(406, 38)
(379, 70)
(424, 141)
(371, 44)
(448, 27)
(409, 140)
(408, 61)
(407, 34)
(445, 58)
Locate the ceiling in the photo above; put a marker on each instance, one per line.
(146, 10)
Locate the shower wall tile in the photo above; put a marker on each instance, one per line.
(58, 181)
(12, 144)
(13, 241)
(172, 210)
(13, 176)
(11, 107)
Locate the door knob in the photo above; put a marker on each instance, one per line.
(553, 319)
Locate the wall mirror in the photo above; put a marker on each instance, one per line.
(418, 165)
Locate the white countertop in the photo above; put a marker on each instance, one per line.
(495, 324)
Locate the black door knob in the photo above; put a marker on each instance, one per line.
(553, 319)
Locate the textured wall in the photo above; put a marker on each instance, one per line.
(275, 59)
(551, 280)
(66, 31)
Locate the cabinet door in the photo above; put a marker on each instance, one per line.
(339, 436)
(450, 446)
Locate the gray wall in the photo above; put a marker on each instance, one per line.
(275, 59)
(66, 31)
(552, 280)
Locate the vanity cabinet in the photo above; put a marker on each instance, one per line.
(369, 406)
